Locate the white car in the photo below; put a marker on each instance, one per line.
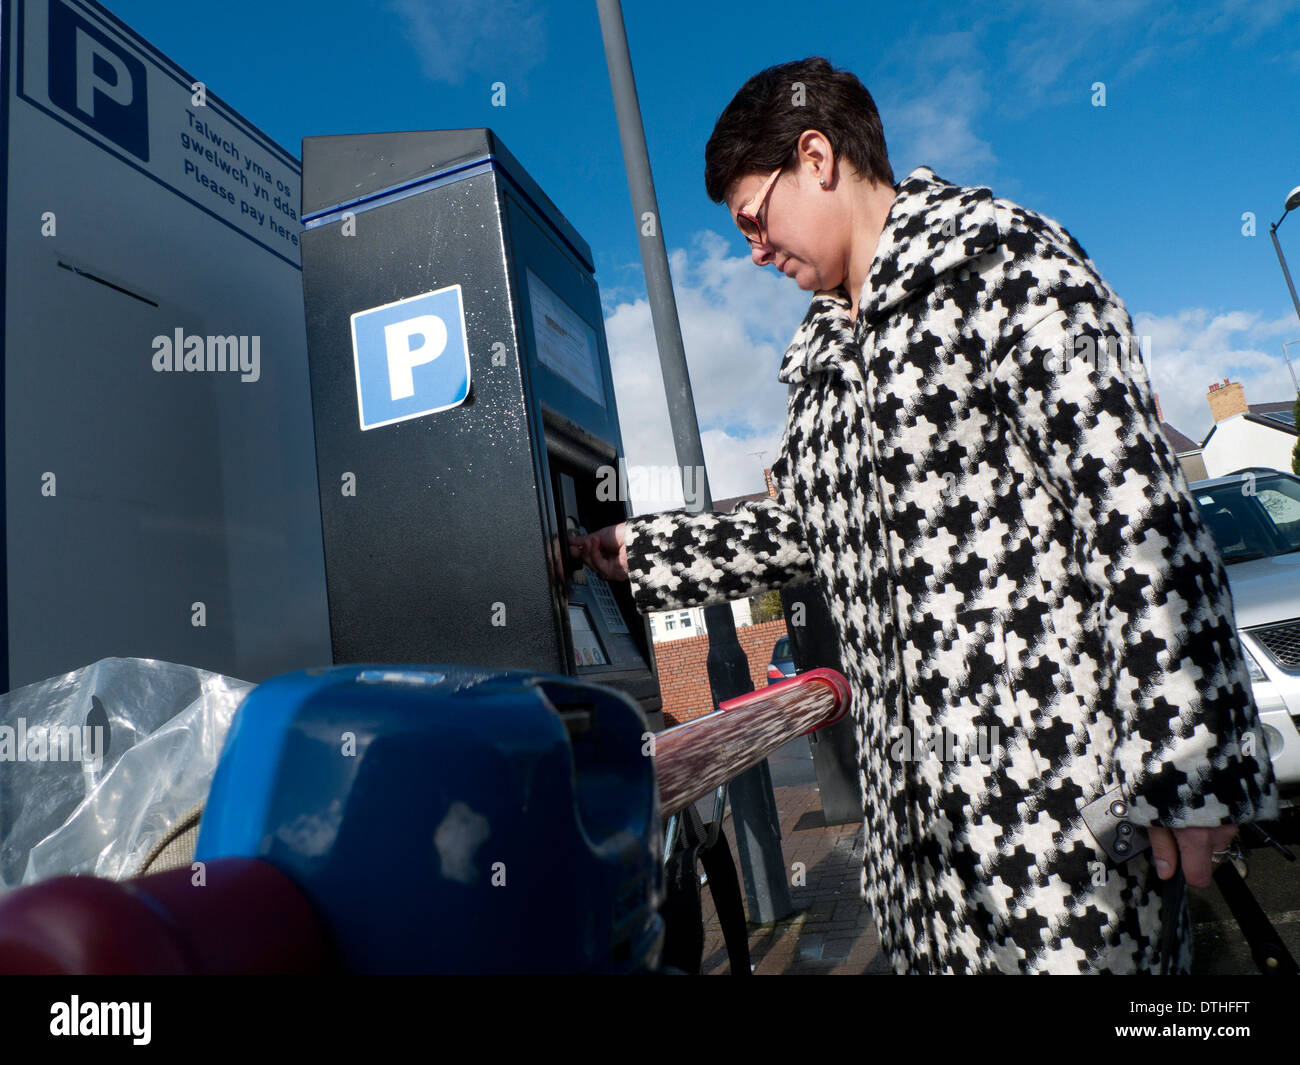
(1254, 516)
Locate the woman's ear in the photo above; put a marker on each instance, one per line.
(816, 154)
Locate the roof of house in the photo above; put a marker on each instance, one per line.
(1279, 416)
(1280, 412)
(1181, 444)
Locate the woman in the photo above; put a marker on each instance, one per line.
(973, 472)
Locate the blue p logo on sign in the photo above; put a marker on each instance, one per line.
(97, 81)
(411, 357)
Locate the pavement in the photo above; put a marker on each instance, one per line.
(832, 932)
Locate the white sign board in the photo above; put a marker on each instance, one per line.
(159, 466)
(80, 69)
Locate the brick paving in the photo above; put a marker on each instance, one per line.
(831, 931)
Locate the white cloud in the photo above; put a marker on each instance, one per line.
(496, 38)
(1022, 55)
(936, 128)
(1054, 52)
(1197, 347)
(737, 321)
(931, 93)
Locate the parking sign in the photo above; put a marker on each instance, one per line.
(411, 357)
(97, 80)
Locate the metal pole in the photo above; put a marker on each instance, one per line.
(1287, 355)
(1272, 232)
(758, 830)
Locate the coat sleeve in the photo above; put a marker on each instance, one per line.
(1189, 747)
(681, 559)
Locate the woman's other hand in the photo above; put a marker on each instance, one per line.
(605, 551)
(1194, 846)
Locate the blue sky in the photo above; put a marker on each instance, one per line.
(1200, 127)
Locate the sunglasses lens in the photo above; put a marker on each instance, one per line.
(749, 228)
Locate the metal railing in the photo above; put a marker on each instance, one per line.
(700, 756)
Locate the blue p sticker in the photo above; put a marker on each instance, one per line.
(411, 357)
(97, 81)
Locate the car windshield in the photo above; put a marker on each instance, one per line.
(1253, 517)
(782, 648)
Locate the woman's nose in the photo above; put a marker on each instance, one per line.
(760, 253)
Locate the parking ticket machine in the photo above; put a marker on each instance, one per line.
(464, 413)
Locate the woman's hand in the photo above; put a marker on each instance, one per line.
(1195, 845)
(605, 551)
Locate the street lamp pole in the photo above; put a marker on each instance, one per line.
(1292, 202)
(1287, 355)
(753, 804)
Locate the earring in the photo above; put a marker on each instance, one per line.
(823, 182)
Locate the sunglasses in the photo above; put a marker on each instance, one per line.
(747, 216)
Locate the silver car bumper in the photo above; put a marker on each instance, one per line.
(1276, 686)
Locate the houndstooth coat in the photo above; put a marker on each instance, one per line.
(974, 475)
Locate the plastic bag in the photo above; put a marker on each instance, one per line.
(98, 764)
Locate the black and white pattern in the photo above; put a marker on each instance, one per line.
(1007, 543)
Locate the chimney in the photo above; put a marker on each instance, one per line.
(1160, 415)
(771, 485)
(1227, 399)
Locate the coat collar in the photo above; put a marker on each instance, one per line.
(932, 227)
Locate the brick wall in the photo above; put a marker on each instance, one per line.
(684, 677)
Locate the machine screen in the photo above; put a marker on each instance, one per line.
(586, 644)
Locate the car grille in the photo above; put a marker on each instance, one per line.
(1281, 641)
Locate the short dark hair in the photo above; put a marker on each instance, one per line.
(759, 130)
